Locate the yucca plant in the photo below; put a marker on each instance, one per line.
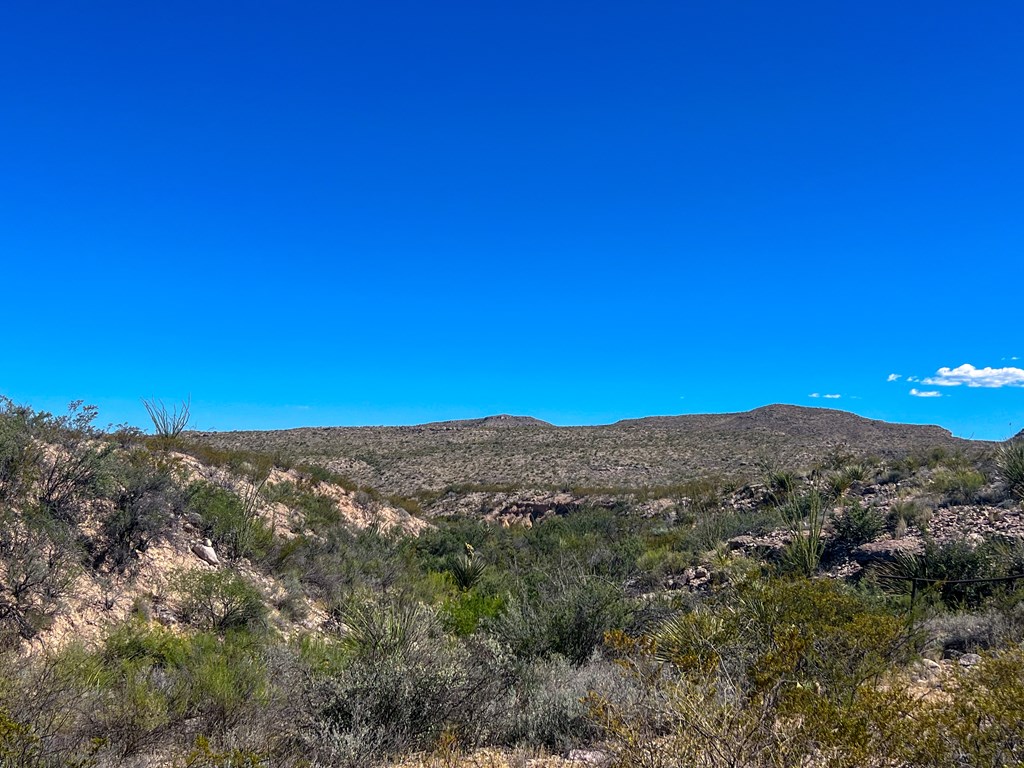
(379, 630)
(1010, 461)
(804, 516)
(467, 569)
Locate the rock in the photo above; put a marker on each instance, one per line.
(590, 757)
(969, 659)
(206, 553)
(930, 664)
(885, 551)
(768, 546)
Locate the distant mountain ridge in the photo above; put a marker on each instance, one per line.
(522, 451)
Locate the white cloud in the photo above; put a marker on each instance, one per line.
(926, 393)
(894, 377)
(814, 394)
(913, 378)
(831, 397)
(977, 377)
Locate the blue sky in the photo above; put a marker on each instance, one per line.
(395, 212)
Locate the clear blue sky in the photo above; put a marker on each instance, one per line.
(394, 212)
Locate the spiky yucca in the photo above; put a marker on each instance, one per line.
(1010, 461)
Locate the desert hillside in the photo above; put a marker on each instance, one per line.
(656, 451)
(198, 601)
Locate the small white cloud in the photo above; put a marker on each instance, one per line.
(913, 378)
(926, 393)
(831, 397)
(894, 377)
(977, 377)
(814, 394)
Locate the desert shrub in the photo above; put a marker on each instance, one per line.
(547, 705)
(74, 465)
(662, 562)
(397, 684)
(979, 726)
(940, 565)
(711, 530)
(19, 745)
(220, 600)
(999, 624)
(857, 524)
(18, 452)
(907, 512)
(567, 616)
(144, 503)
(232, 523)
(464, 612)
(959, 484)
(336, 562)
(149, 686)
(1010, 463)
(38, 566)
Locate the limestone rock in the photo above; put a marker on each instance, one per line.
(206, 552)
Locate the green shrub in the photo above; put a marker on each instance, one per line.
(463, 613)
(960, 485)
(232, 523)
(38, 566)
(220, 600)
(144, 503)
(399, 689)
(942, 564)
(568, 618)
(855, 525)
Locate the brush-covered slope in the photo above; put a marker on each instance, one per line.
(525, 452)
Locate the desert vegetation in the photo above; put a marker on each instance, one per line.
(169, 600)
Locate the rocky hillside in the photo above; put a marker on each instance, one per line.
(523, 452)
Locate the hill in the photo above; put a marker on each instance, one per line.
(654, 451)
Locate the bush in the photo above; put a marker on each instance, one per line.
(232, 523)
(398, 683)
(960, 485)
(143, 507)
(856, 525)
(943, 564)
(38, 566)
(219, 601)
(568, 618)
(75, 465)
(547, 709)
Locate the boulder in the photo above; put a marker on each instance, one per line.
(885, 551)
(206, 553)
